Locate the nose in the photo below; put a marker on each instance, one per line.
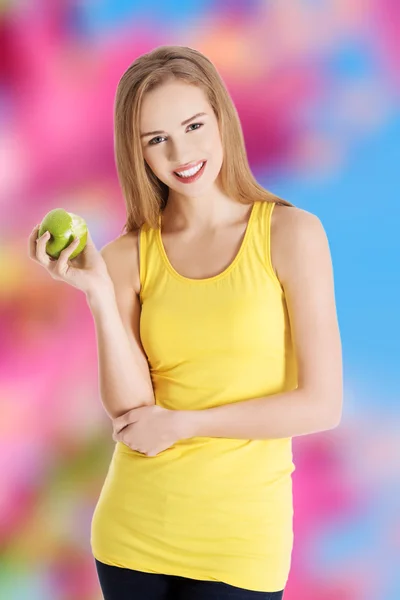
(180, 153)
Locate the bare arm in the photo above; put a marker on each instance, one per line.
(124, 376)
(306, 274)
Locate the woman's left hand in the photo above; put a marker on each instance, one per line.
(149, 429)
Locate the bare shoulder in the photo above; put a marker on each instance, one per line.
(302, 257)
(295, 232)
(122, 259)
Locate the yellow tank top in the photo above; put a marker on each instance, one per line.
(215, 509)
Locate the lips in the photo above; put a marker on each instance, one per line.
(194, 177)
(188, 166)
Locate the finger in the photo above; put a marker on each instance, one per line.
(117, 425)
(123, 420)
(41, 253)
(65, 254)
(32, 242)
(121, 428)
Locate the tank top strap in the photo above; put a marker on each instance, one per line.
(144, 242)
(262, 230)
(152, 264)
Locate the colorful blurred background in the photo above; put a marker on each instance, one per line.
(316, 85)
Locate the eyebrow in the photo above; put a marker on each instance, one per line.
(185, 122)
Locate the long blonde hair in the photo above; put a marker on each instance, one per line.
(144, 194)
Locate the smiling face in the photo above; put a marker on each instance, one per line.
(181, 131)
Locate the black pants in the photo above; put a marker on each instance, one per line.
(118, 583)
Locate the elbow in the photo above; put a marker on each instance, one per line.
(335, 415)
(337, 409)
(336, 420)
(329, 409)
(330, 423)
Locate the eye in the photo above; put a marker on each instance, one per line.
(153, 143)
(193, 124)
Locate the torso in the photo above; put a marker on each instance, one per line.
(212, 253)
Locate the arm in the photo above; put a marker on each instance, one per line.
(305, 272)
(283, 415)
(124, 376)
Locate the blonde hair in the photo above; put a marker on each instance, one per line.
(144, 194)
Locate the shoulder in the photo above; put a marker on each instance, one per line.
(122, 259)
(290, 219)
(305, 270)
(296, 235)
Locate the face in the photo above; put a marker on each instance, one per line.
(177, 139)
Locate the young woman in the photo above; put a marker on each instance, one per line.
(217, 340)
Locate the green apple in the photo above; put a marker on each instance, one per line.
(63, 227)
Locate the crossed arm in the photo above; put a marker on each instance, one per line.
(306, 274)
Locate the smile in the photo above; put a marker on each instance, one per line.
(191, 174)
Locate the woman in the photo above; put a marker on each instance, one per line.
(217, 340)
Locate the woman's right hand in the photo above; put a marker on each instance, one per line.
(87, 271)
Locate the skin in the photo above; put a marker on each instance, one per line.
(199, 216)
(201, 204)
(202, 230)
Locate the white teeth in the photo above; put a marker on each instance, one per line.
(189, 172)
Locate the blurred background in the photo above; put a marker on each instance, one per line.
(316, 85)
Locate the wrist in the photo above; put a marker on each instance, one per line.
(186, 422)
(102, 293)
